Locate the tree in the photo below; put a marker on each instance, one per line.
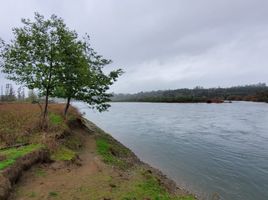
(2, 93)
(20, 93)
(32, 96)
(9, 93)
(47, 56)
(82, 77)
(35, 56)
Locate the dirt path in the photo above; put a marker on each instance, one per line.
(92, 179)
(58, 181)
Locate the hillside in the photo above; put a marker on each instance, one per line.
(257, 93)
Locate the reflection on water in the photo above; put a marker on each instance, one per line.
(210, 149)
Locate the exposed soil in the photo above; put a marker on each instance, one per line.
(10, 175)
(59, 177)
(86, 178)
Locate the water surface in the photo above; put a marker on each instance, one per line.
(210, 149)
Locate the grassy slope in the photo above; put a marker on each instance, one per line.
(142, 183)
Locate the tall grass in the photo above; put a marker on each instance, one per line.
(19, 122)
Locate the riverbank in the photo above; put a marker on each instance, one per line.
(89, 164)
(214, 150)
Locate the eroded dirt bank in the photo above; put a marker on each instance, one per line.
(104, 169)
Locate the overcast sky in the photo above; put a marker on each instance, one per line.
(164, 44)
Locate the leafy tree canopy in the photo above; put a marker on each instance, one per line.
(46, 55)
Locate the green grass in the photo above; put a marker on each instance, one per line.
(102, 146)
(53, 194)
(104, 149)
(13, 154)
(63, 154)
(32, 195)
(55, 119)
(4, 164)
(137, 185)
(149, 187)
(143, 185)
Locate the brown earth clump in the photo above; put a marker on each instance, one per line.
(10, 175)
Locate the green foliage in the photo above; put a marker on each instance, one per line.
(36, 55)
(13, 154)
(33, 57)
(47, 56)
(55, 119)
(82, 77)
(97, 82)
(63, 154)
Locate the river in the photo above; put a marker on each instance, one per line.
(217, 151)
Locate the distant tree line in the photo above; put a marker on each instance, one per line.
(9, 94)
(256, 92)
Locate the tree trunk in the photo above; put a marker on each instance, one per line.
(67, 107)
(48, 86)
(45, 110)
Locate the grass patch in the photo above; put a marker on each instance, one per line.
(32, 195)
(55, 119)
(4, 164)
(147, 186)
(63, 154)
(53, 194)
(136, 184)
(20, 121)
(16, 120)
(12, 154)
(106, 150)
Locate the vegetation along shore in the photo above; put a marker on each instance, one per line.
(74, 159)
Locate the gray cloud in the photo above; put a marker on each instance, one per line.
(165, 44)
